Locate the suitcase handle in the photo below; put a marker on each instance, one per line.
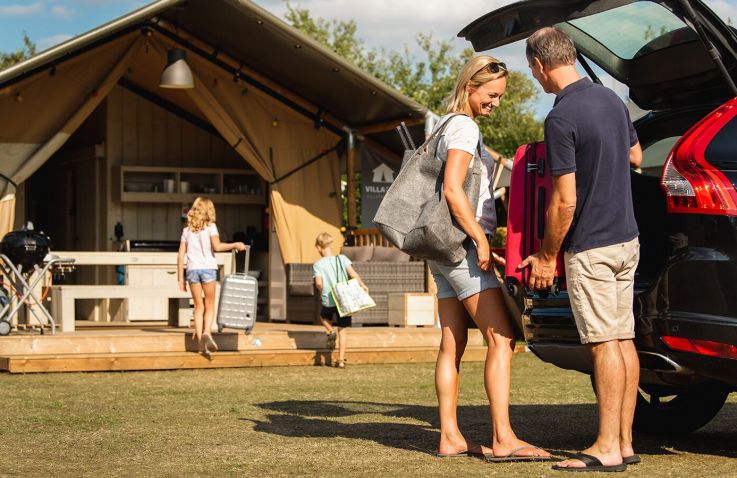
(246, 261)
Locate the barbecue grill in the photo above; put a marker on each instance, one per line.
(21, 254)
(25, 248)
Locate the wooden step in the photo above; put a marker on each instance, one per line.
(163, 340)
(187, 360)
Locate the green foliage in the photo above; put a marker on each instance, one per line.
(11, 58)
(429, 79)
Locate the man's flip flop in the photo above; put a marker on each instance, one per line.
(512, 456)
(591, 464)
(631, 460)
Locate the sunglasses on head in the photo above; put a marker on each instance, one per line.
(495, 67)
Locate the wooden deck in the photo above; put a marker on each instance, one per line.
(108, 348)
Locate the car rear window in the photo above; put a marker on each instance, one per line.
(626, 30)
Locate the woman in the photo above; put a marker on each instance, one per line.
(200, 240)
(470, 287)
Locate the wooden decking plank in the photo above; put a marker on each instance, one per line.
(172, 360)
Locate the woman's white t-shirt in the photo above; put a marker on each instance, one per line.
(199, 248)
(462, 133)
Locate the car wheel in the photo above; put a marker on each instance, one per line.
(678, 411)
(664, 410)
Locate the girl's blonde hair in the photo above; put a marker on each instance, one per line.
(201, 214)
(473, 74)
(323, 240)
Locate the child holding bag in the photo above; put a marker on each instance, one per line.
(326, 272)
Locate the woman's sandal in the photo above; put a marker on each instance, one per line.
(340, 363)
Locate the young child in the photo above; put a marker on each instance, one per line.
(200, 241)
(327, 272)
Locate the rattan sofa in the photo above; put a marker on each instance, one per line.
(381, 276)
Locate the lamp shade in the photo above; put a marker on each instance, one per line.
(177, 73)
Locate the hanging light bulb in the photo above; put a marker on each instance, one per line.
(177, 73)
(275, 122)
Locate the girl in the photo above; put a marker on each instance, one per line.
(200, 240)
(470, 286)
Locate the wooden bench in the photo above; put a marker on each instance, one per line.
(63, 297)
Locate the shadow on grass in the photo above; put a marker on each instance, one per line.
(558, 428)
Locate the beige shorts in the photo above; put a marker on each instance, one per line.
(601, 289)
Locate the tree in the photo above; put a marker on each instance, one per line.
(11, 58)
(430, 79)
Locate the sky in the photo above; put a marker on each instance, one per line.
(389, 24)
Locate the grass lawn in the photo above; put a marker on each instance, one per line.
(373, 420)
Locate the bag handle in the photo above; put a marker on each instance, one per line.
(338, 268)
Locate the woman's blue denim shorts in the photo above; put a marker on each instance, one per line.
(463, 279)
(202, 276)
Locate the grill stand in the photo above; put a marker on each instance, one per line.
(21, 285)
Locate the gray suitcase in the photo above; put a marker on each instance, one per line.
(238, 299)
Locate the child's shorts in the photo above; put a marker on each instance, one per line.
(202, 276)
(331, 314)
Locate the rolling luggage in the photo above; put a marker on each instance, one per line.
(238, 298)
(530, 190)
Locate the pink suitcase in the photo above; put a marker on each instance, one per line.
(530, 187)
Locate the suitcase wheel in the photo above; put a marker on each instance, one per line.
(220, 329)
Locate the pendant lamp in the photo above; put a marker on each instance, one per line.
(177, 73)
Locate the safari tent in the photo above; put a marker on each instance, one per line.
(96, 146)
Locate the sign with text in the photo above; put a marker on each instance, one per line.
(376, 177)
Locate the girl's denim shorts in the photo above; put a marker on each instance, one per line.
(463, 279)
(202, 276)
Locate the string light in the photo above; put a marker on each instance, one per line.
(18, 97)
(275, 122)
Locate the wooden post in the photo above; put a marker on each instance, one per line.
(350, 168)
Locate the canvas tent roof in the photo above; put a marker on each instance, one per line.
(44, 99)
(240, 33)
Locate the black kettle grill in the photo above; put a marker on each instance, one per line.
(26, 248)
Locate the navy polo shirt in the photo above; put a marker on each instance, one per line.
(589, 132)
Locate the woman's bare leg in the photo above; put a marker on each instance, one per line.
(490, 315)
(453, 341)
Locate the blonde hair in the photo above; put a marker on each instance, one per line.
(473, 74)
(201, 214)
(323, 240)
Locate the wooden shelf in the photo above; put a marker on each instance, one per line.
(146, 184)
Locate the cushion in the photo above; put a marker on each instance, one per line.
(389, 254)
(301, 290)
(359, 253)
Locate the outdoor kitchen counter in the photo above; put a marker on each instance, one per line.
(63, 296)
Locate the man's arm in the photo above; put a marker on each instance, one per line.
(558, 220)
(636, 155)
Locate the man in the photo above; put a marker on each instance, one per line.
(590, 145)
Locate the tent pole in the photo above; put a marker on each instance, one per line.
(350, 168)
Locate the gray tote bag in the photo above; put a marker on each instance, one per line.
(414, 214)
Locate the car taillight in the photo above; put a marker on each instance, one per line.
(691, 183)
(701, 347)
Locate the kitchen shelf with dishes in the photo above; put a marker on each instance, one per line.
(183, 185)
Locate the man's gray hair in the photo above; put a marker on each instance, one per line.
(553, 47)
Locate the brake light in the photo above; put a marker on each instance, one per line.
(691, 183)
(701, 347)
